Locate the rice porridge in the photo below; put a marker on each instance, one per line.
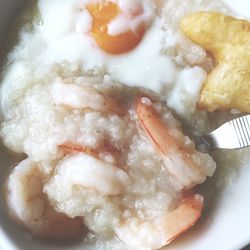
(97, 121)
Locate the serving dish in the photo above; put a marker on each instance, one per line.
(224, 225)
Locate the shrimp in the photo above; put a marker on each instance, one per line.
(181, 160)
(85, 170)
(83, 97)
(70, 148)
(30, 207)
(161, 230)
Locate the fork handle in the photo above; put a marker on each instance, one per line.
(234, 134)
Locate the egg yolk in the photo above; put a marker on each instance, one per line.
(103, 14)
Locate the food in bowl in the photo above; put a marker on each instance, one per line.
(84, 98)
(115, 165)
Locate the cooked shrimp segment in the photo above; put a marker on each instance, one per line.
(178, 157)
(70, 148)
(86, 171)
(29, 205)
(161, 230)
(82, 97)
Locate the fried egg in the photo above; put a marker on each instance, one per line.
(128, 41)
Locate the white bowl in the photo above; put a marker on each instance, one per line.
(225, 224)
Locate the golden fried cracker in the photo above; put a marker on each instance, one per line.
(228, 39)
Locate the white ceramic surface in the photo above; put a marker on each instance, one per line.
(225, 224)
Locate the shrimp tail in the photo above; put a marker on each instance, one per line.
(185, 216)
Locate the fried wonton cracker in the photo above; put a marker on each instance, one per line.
(228, 39)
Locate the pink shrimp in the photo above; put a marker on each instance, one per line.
(162, 229)
(31, 208)
(182, 160)
(82, 97)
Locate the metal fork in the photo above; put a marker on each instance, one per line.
(234, 134)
